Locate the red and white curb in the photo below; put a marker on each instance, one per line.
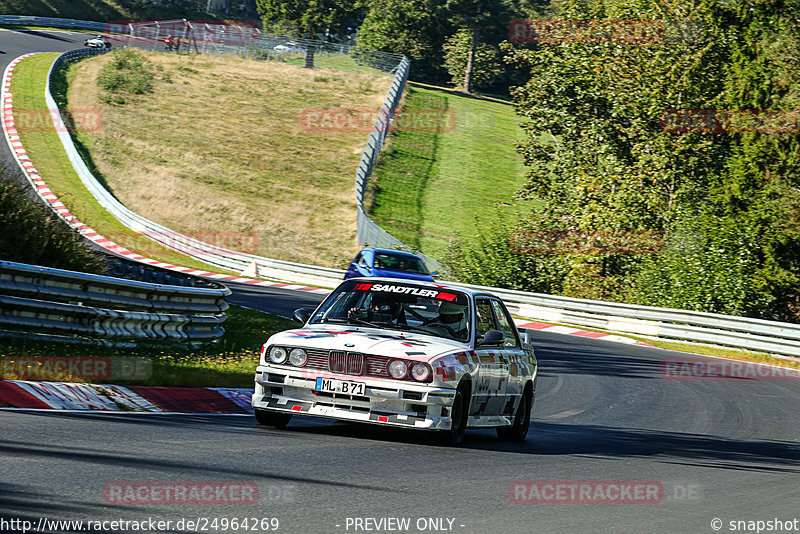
(69, 396)
(50, 198)
(566, 330)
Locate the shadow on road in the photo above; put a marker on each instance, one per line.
(45, 35)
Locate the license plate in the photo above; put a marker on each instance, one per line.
(345, 387)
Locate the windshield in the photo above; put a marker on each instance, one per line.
(400, 262)
(398, 306)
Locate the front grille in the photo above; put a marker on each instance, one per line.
(349, 363)
(317, 359)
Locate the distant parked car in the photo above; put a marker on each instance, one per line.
(97, 41)
(389, 263)
(288, 46)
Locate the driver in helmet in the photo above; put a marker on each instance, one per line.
(452, 317)
(387, 309)
(383, 308)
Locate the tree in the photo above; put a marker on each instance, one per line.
(608, 151)
(477, 16)
(416, 28)
(314, 18)
(487, 63)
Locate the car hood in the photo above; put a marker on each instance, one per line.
(372, 341)
(386, 273)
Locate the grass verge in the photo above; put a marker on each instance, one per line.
(43, 146)
(229, 362)
(431, 182)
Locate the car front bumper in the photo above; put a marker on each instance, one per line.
(386, 402)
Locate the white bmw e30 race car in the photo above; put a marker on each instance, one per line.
(395, 352)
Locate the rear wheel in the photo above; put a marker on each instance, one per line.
(270, 418)
(458, 416)
(518, 430)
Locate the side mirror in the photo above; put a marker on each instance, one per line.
(434, 273)
(302, 315)
(492, 337)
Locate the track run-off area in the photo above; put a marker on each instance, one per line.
(617, 445)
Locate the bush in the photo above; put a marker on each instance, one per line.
(127, 72)
(32, 235)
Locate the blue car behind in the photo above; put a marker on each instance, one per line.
(388, 263)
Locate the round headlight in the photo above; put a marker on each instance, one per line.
(420, 371)
(277, 354)
(298, 357)
(398, 369)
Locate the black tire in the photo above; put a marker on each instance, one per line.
(270, 418)
(458, 414)
(518, 431)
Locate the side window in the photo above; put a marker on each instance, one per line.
(358, 259)
(506, 325)
(484, 317)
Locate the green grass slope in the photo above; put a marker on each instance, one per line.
(435, 177)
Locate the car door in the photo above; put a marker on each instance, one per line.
(513, 354)
(492, 376)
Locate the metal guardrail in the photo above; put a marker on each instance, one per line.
(55, 301)
(728, 330)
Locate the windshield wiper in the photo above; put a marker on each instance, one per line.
(362, 321)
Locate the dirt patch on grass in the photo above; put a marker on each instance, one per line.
(220, 146)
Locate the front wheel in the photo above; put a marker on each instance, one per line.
(458, 416)
(270, 418)
(518, 430)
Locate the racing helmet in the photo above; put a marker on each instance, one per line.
(386, 303)
(451, 313)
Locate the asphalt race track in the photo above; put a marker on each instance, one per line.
(604, 414)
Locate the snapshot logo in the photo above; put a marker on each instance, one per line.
(366, 119)
(180, 493)
(189, 243)
(44, 120)
(714, 369)
(586, 492)
(585, 242)
(729, 121)
(56, 369)
(634, 32)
